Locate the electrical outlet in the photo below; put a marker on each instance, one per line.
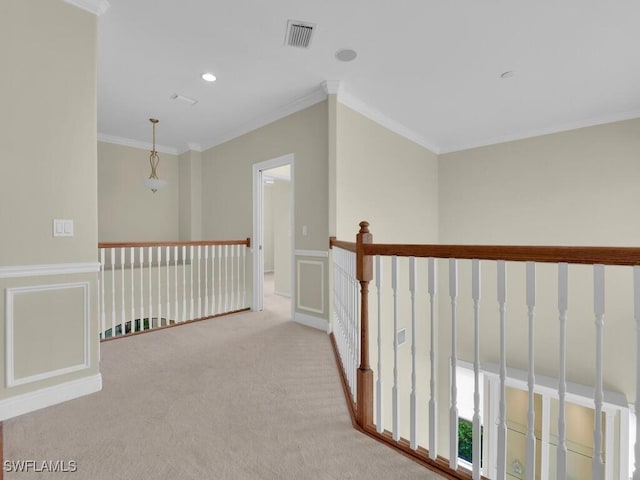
(401, 336)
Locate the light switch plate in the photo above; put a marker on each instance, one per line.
(62, 228)
(401, 336)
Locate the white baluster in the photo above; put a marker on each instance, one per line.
(636, 311)
(132, 263)
(413, 407)
(433, 416)
(175, 284)
(150, 288)
(206, 281)
(213, 278)
(531, 439)
(102, 290)
(141, 288)
(379, 418)
(159, 285)
(502, 414)
(113, 292)
(244, 277)
(123, 319)
(167, 266)
(226, 278)
(355, 320)
(453, 410)
(394, 391)
(598, 304)
(199, 255)
(220, 299)
(191, 272)
(475, 292)
(232, 295)
(238, 291)
(563, 304)
(184, 283)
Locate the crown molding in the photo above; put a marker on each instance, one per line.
(127, 142)
(332, 87)
(97, 7)
(317, 96)
(380, 118)
(563, 127)
(195, 147)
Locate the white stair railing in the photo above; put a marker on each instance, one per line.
(409, 376)
(159, 291)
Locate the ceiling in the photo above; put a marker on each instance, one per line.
(430, 69)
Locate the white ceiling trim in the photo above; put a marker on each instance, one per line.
(380, 118)
(616, 117)
(301, 103)
(97, 7)
(127, 142)
(194, 147)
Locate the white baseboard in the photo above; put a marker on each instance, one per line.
(311, 321)
(283, 294)
(46, 397)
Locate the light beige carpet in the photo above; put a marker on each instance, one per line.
(248, 396)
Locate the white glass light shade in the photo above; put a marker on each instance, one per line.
(154, 183)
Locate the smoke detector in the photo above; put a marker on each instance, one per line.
(299, 34)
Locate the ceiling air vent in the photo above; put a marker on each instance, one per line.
(299, 34)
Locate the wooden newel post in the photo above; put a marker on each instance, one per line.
(364, 274)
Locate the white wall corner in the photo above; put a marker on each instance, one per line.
(46, 397)
(312, 321)
(97, 7)
(332, 87)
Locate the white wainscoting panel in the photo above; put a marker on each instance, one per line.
(300, 305)
(10, 295)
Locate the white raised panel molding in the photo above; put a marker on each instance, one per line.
(312, 321)
(52, 269)
(312, 253)
(97, 7)
(11, 293)
(299, 304)
(46, 397)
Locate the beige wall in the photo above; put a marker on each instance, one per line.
(49, 170)
(190, 196)
(127, 210)
(267, 212)
(282, 236)
(571, 188)
(227, 175)
(385, 179)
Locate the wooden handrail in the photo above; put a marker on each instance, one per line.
(333, 242)
(515, 253)
(246, 242)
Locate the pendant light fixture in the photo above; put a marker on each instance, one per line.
(153, 182)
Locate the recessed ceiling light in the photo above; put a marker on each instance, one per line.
(346, 55)
(507, 74)
(209, 77)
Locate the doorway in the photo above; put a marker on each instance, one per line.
(273, 233)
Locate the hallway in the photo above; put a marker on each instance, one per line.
(246, 396)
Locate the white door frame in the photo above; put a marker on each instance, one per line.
(258, 230)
